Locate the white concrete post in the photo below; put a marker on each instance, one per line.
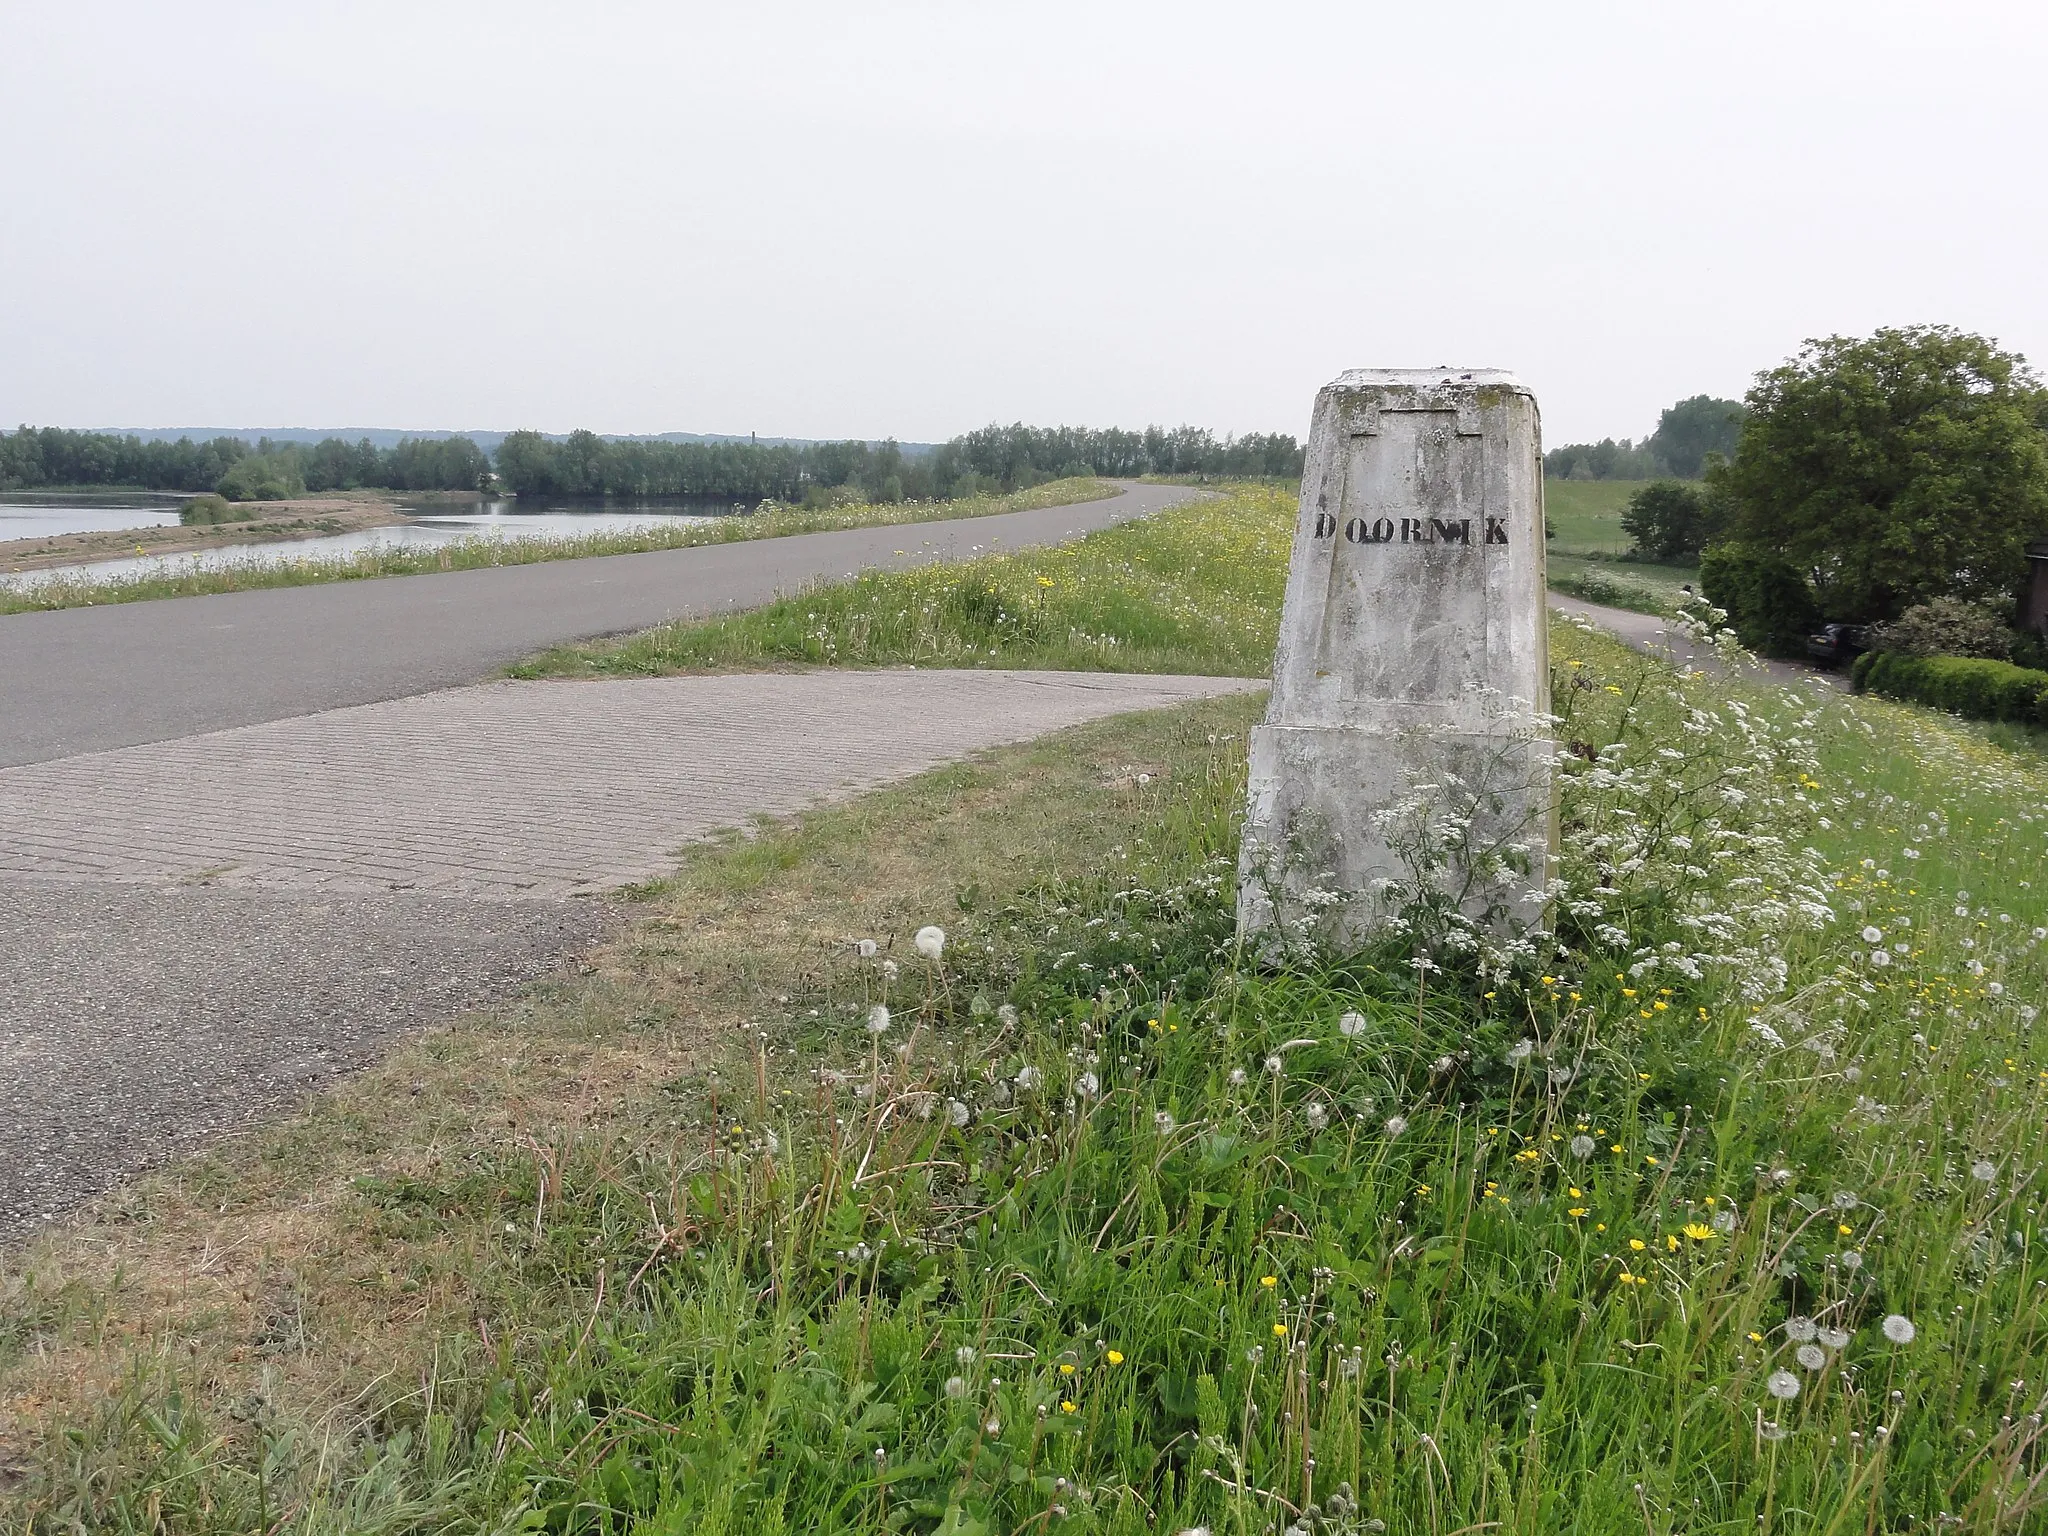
(1400, 744)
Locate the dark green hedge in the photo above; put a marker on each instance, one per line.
(1768, 602)
(1982, 690)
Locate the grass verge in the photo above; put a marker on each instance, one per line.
(774, 521)
(168, 1363)
(1709, 1220)
(1640, 588)
(1195, 588)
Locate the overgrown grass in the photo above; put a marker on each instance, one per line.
(1195, 588)
(774, 521)
(1638, 587)
(1106, 1229)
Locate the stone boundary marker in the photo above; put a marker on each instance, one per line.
(1401, 757)
(529, 791)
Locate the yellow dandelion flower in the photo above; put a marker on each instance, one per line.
(1698, 1231)
(1637, 1244)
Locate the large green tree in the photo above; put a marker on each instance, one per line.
(1692, 429)
(1894, 468)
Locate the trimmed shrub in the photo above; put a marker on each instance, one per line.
(1947, 626)
(1767, 600)
(1962, 685)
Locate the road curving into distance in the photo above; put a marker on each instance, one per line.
(87, 679)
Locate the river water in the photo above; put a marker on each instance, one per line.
(40, 520)
(427, 525)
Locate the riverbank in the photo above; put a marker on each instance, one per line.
(309, 517)
(84, 589)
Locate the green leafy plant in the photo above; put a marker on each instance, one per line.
(1768, 602)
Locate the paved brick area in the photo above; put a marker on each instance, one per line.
(521, 790)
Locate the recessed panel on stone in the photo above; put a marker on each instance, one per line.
(1412, 646)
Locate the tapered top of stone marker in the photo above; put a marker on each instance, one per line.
(1415, 595)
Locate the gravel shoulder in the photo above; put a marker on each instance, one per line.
(138, 1022)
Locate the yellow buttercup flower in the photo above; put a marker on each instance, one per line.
(1115, 1357)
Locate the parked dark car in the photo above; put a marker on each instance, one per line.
(1838, 644)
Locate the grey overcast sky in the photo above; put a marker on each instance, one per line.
(871, 219)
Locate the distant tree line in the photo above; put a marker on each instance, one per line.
(994, 458)
(234, 467)
(1690, 435)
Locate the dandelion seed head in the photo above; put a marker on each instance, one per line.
(878, 1019)
(956, 1387)
(1983, 1171)
(1396, 1124)
(1581, 1146)
(1782, 1385)
(1899, 1328)
(1835, 1338)
(1351, 1025)
(1800, 1330)
(930, 941)
(1812, 1356)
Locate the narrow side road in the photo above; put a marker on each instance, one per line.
(1660, 637)
(89, 679)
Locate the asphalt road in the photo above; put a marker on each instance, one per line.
(87, 679)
